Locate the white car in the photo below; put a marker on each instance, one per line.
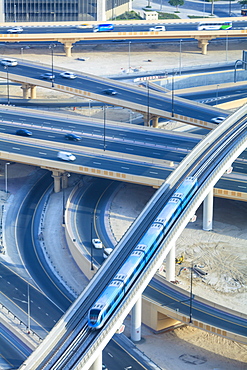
(9, 62)
(15, 30)
(84, 25)
(218, 119)
(97, 243)
(157, 28)
(69, 75)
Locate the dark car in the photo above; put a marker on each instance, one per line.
(23, 132)
(47, 76)
(110, 92)
(72, 137)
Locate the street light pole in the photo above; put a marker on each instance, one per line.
(129, 56)
(28, 310)
(191, 295)
(52, 46)
(173, 94)
(6, 177)
(148, 104)
(180, 56)
(92, 268)
(7, 71)
(104, 127)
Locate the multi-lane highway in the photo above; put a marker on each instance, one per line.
(179, 25)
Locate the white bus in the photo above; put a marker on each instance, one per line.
(214, 25)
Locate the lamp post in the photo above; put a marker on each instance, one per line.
(104, 114)
(230, 7)
(180, 56)
(148, 98)
(6, 177)
(191, 294)
(173, 94)
(7, 71)
(92, 268)
(226, 45)
(52, 46)
(129, 55)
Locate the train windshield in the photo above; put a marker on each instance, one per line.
(94, 314)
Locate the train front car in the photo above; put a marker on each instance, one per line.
(104, 305)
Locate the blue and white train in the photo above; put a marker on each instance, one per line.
(143, 251)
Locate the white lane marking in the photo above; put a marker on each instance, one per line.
(15, 148)
(42, 153)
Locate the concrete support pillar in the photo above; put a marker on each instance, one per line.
(67, 48)
(155, 121)
(170, 264)
(136, 320)
(147, 119)
(57, 180)
(97, 365)
(65, 180)
(208, 211)
(33, 92)
(25, 89)
(202, 44)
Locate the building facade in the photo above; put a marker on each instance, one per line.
(61, 10)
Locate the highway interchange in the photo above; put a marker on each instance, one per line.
(95, 139)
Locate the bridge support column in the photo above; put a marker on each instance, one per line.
(208, 211)
(147, 119)
(170, 264)
(57, 180)
(202, 44)
(25, 89)
(65, 178)
(33, 92)
(67, 48)
(97, 365)
(136, 320)
(155, 121)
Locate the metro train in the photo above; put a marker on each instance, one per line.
(141, 254)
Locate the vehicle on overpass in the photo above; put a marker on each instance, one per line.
(214, 25)
(103, 27)
(16, 29)
(157, 28)
(66, 156)
(9, 62)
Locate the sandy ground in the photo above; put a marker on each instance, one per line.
(221, 252)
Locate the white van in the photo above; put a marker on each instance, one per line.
(66, 156)
(9, 62)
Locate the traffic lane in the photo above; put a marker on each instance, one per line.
(100, 162)
(237, 185)
(26, 243)
(166, 296)
(116, 356)
(155, 138)
(42, 310)
(86, 214)
(13, 350)
(171, 153)
(128, 94)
